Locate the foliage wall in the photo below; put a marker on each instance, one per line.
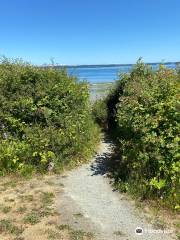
(44, 117)
(144, 113)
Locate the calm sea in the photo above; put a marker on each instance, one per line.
(105, 74)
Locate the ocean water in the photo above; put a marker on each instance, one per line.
(104, 74)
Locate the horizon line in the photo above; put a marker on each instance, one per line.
(106, 65)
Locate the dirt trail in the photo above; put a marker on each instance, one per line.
(90, 204)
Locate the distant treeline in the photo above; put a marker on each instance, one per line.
(105, 65)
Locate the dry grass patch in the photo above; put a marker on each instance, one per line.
(160, 217)
(28, 210)
(25, 204)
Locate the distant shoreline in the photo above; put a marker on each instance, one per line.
(106, 65)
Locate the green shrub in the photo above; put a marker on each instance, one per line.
(44, 117)
(147, 117)
(100, 112)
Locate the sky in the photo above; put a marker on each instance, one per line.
(90, 31)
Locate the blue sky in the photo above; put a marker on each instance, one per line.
(90, 31)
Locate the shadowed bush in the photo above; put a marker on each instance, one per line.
(144, 113)
(100, 112)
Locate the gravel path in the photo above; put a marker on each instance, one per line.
(89, 203)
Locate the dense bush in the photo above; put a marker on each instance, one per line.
(44, 117)
(100, 112)
(147, 125)
(104, 109)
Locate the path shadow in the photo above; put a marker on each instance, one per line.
(105, 163)
(101, 164)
